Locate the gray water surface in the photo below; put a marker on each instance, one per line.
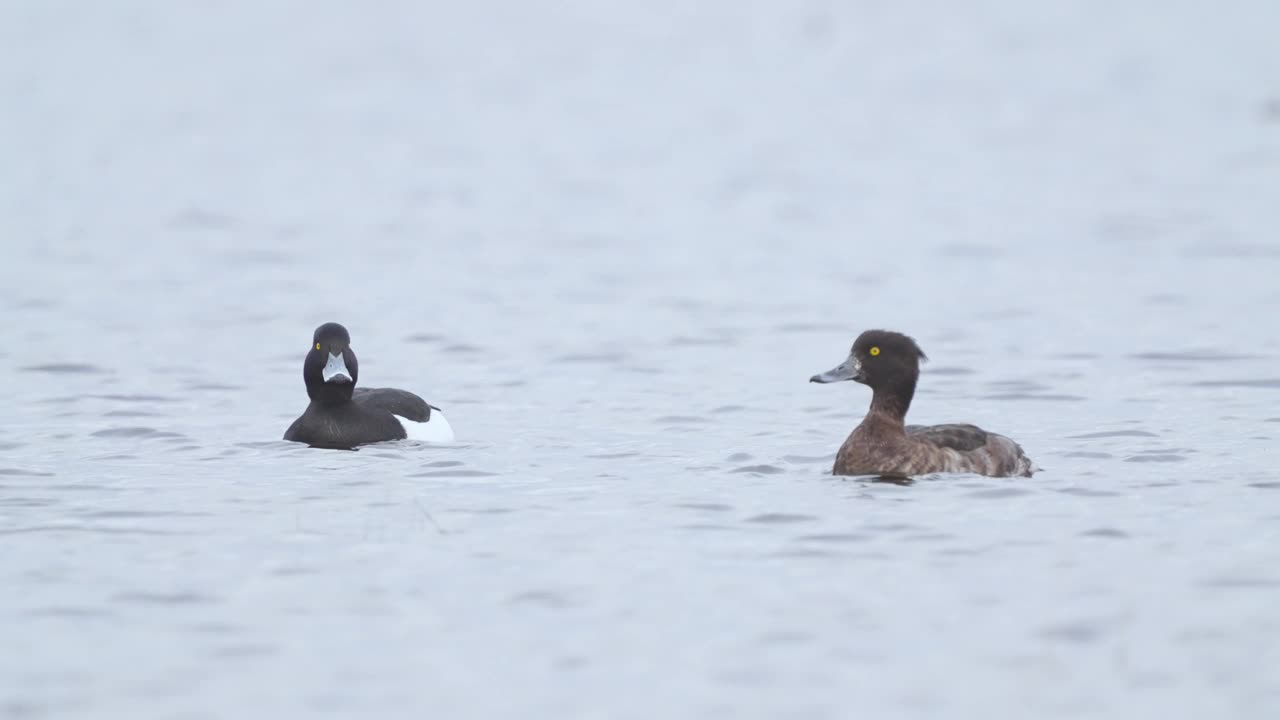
(613, 241)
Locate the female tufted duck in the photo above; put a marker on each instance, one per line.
(889, 363)
(341, 416)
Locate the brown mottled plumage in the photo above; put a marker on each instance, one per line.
(889, 363)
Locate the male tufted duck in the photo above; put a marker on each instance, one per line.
(889, 363)
(342, 416)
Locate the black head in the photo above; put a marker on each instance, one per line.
(881, 359)
(330, 370)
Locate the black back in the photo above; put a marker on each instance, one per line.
(397, 402)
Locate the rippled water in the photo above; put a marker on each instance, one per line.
(613, 242)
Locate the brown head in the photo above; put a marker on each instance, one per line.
(887, 362)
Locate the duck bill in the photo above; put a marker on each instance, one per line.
(335, 370)
(850, 369)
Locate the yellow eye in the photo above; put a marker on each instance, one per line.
(874, 351)
(317, 346)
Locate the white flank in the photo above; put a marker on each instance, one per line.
(435, 429)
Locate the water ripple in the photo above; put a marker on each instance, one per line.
(24, 473)
(1192, 356)
(759, 470)
(135, 432)
(835, 537)
(1155, 457)
(591, 358)
(1045, 397)
(550, 599)
(708, 507)
(1105, 532)
(1237, 582)
(1088, 492)
(1113, 433)
(999, 493)
(99, 530)
(681, 420)
(1266, 383)
(160, 598)
(780, 518)
(66, 369)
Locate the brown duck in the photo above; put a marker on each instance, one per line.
(889, 363)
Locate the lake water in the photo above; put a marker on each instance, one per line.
(613, 241)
